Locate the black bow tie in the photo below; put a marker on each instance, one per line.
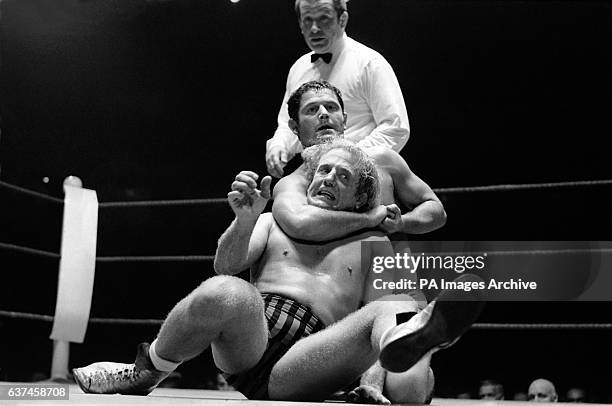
(326, 57)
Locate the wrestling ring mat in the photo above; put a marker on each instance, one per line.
(62, 334)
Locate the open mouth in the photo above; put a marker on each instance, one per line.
(325, 130)
(326, 194)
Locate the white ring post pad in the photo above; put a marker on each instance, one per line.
(77, 264)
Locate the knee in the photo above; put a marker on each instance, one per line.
(391, 304)
(222, 295)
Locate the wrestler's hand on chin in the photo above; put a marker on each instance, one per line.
(367, 394)
(245, 199)
(393, 222)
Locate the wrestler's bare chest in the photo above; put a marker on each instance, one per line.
(337, 260)
(327, 277)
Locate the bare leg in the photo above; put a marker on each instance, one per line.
(224, 311)
(326, 361)
(318, 365)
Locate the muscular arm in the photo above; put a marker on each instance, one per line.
(302, 221)
(242, 244)
(426, 212)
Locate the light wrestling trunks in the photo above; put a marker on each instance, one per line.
(288, 322)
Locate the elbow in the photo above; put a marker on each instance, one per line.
(294, 228)
(302, 228)
(441, 217)
(292, 223)
(299, 230)
(404, 139)
(222, 266)
(224, 270)
(435, 219)
(219, 268)
(217, 262)
(299, 222)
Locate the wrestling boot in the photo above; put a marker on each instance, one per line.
(439, 325)
(139, 378)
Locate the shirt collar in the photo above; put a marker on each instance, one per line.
(336, 49)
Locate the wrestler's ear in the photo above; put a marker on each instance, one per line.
(293, 125)
(362, 199)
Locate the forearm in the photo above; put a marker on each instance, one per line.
(233, 247)
(312, 223)
(426, 217)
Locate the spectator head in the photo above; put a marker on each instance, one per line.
(491, 390)
(542, 390)
(575, 395)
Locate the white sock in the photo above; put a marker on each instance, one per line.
(159, 363)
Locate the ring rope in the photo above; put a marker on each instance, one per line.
(447, 190)
(31, 193)
(158, 258)
(475, 326)
(28, 250)
(162, 258)
(552, 252)
(568, 251)
(145, 203)
(202, 258)
(522, 186)
(94, 320)
(542, 326)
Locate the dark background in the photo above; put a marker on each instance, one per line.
(170, 99)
